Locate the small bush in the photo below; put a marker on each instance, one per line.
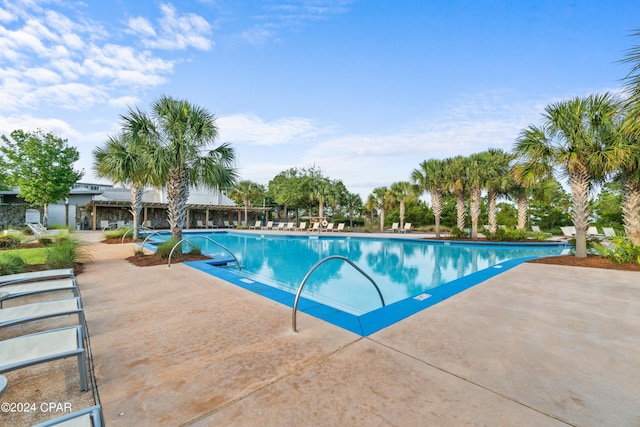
(195, 249)
(46, 241)
(65, 253)
(117, 234)
(458, 233)
(138, 251)
(11, 264)
(509, 235)
(9, 242)
(621, 251)
(164, 249)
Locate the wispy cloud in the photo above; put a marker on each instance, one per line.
(61, 58)
(253, 130)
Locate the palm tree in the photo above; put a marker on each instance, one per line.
(496, 181)
(629, 175)
(246, 191)
(380, 196)
(576, 136)
(320, 192)
(183, 132)
(455, 180)
(399, 192)
(353, 203)
(123, 160)
(429, 177)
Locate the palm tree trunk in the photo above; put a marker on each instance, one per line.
(631, 208)
(476, 193)
(382, 219)
(523, 207)
(45, 215)
(402, 213)
(491, 206)
(579, 181)
(177, 194)
(136, 207)
(461, 210)
(246, 212)
(436, 206)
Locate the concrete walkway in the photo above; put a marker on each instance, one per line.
(537, 345)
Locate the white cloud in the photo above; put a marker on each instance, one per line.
(248, 128)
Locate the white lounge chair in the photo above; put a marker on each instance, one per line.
(226, 224)
(210, 224)
(89, 417)
(303, 226)
(340, 227)
(290, 226)
(592, 231)
(36, 275)
(315, 227)
(281, 226)
(609, 232)
(28, 350)
(406, 228)
(329, 227)
(394, 227)
(568, 232)
(269, 226)
(257, 225)
(199, 224)
(39, 231)
(22, 289)
(41, 310)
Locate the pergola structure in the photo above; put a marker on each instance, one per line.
(112, 210)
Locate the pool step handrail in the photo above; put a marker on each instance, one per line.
(140, 228)
(161, 232)
(294, 328)
(203, 237)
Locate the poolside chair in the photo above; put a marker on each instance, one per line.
(340, 227)
(22, 289)
(226, 224)
(290, 226)
(199, 224)
(210, 224)
(329, 227)
(568, 232)
(609, 232)
(235, 224)
(592, 231)
(394, 228)
(315, 227)
(406, 228)
(281, 226)
(269, 226)
(41, 310)
(536, 229)
(89, 417)
(28, 350)
(36, 275)
(257, 225)
(302, 226)
(39, 231)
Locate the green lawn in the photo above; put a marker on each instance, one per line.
(30, 256)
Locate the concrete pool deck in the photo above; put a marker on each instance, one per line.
(537, 345)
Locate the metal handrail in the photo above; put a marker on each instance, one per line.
(316, 265)
(140, 227)
(203, 237)
(147, 238)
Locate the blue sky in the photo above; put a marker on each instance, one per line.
(365, 89)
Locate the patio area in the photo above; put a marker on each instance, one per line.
(537, 345)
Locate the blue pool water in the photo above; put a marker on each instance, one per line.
(404, 270)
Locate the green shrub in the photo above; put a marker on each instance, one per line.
(195, 249)
(9, 242)
(65, 253)
(621, 250)
(117, 234)
(458, 233)
(46, 241)
(164, 249)
(510, 235)
(11, 264)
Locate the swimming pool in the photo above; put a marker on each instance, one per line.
(423, 271)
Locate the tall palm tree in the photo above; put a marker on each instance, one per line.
(455, 179)
(123, 160)
(320, 192)
(429, 177)
(380, 196)
(400, 192)
(183, 132)
(496, 181)
(246, 191)
(353, 203)
(629, 175)
(576, 136)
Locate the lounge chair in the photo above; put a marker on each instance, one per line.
(329, 227)
(41, 310)
(257, 225)
(593, 232)
(22, 289)
(226, 224)
(536, 229)
(36, 275)
(315, 227)
(290, 226)
(302, 226)
(28, 350)
(281, 226)
(340, 227)
(269, 226)
(235, 224)
(39, 231)
(394, 227)
(199, 224)
(568, 232)
(210, 225)
(609, 232)
(406, 228)
(89, 417)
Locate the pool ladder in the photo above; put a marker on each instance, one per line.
(202, 237)
(294, 328)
